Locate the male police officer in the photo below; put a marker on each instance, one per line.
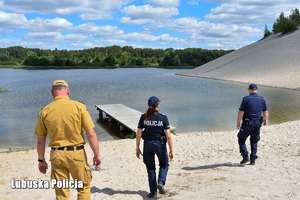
(250, 112)
(63, 120)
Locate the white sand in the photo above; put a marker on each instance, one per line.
(206, 164)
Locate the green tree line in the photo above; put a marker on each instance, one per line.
(111, 57)
(285, 24)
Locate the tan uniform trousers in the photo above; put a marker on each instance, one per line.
(64, 163)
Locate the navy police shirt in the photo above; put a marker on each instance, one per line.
(155, 126)
(253, 105)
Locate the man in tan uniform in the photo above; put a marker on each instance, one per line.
(64, 120)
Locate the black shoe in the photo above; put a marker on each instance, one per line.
(151, 195)
(252, 162)
(161, 188)
(245, 160)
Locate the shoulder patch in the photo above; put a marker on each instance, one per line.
(81, 102)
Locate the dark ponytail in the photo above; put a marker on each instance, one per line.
(150, 112)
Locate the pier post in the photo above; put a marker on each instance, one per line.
(100, 114)
(122, 128)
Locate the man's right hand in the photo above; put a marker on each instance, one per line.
(43, 166)
(264, 122)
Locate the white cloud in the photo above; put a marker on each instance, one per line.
(96, 16)
(8, 43)
(182, 25)
(146, 13)
(99, 30)
(144, 37)
(56, 24)
(128, 20)
(43, 6)
(111, 42)
(82, 45)
(44, 36)
(89, 9)
(12, 20)
(164, 3)
(244, 12)
(140, 37)
(193, 2)
(55, 37)
(75, 37)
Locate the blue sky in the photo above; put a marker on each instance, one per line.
(83, 24)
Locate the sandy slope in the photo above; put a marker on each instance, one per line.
(274, 61)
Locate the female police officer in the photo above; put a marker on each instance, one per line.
(156, 134)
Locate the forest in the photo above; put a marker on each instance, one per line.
(106, 57)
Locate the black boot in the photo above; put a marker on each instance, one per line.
(245, 160)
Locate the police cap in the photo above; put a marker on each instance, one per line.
(252, 87)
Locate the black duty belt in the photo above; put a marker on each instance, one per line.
(254, 120)
(246, 121)
(69, 148)
(151, 138)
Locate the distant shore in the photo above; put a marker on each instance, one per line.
(91, 67)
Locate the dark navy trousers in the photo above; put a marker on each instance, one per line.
(251, 129)
(152, 148)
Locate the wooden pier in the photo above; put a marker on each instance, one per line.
(125, 116)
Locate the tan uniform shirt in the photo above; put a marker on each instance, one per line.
(63, 120)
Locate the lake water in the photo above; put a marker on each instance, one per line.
(191, 104)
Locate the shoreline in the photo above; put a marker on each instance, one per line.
(13, 149)
(235, 81)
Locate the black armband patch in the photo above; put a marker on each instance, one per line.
(81, 102)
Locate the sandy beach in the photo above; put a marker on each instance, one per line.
(206, 164)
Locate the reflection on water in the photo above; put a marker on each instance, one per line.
(191, 104)
(283, 105)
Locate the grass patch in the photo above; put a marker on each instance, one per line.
(11, 150)
(6, 66)
(3, 89)
(132, 135)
